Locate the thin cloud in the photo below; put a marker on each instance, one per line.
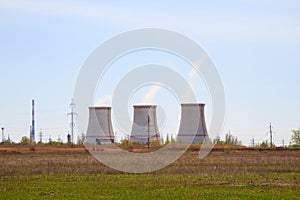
(148, 98)
(193, 74)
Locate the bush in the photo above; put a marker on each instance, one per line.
(25, 140)
(264, 144)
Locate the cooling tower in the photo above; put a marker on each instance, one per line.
(144, 124)
(192, 124)
(99, 127)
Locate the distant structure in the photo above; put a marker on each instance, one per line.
(69, 138)
(59, 139)
(8, 139)
(72, 124)
(252, 142)
(271, 136)
(41, 136)
(192, 119)
(32, 130)
(100, 129)
(144, 127)
(30, 133)
(3, 138)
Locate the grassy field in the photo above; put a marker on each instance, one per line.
(71, 173)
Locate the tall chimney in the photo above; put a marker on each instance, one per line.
(3, 138)
(32, 136)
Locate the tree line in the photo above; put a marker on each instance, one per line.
(229, 140)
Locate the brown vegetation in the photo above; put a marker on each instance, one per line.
(16, 160)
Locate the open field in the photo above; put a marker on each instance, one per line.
(71, 173)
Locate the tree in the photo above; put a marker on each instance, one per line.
(231, 140)
(25, 140)
(296, 137)
(217, 140)
(264, 144)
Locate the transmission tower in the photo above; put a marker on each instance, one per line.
(72, 124)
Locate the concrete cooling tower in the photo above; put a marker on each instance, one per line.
(192, 124)
(144, 124)
(100, 129)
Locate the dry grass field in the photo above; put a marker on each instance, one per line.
(235, 173)
(65, 160)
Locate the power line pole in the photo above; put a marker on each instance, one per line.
(271, 139)
(41, 136)
(72, 124)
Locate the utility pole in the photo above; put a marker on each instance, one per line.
(72, 124)
(148, 133)
(271, 139)
(253, 142)
(41, 136)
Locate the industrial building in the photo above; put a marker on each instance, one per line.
(144, 127)
(192, 124)
(100, 129)
(144, 130)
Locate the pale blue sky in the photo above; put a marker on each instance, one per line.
(254, 45)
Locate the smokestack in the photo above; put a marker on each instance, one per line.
(100, 129)
(192, 124)
(3, 138)
(144, 126)
(32, 135)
